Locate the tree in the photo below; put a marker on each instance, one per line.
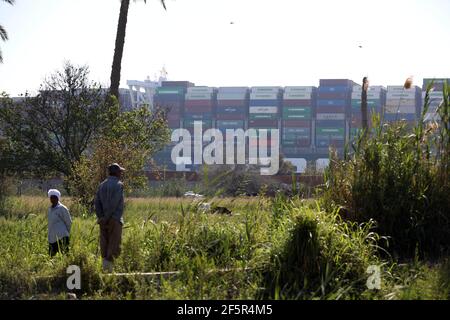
(131, 140)
(51, 131)
(119, 47)
(73, 122)
(3, 33)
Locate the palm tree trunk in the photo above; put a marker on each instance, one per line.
(365, 121)
(118, 51)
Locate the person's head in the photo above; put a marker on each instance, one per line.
(115, 170)
(54, 196)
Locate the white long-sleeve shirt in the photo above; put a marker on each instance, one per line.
(59, 223)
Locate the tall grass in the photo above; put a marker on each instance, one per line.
(399, 177)
(316, 255)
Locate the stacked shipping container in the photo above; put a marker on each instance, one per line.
(264, 110)
(376, 99)
(402, 104)
(297, 113)
(436, 97)
(333, 106)
(170, 97)
(232, 108)
(200, 105)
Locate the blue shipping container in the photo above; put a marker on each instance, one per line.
(332, 103)
(335, 89)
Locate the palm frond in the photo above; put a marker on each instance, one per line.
(9, 1)
(3, 33)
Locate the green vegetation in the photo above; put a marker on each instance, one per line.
(401, 179)
(277, 249)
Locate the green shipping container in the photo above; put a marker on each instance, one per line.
(296, 113)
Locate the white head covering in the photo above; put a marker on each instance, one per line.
(54, 192)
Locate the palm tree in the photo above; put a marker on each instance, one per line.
(120, 43)
(365, 88)
(3, 33)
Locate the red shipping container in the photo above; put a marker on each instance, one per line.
(231, 116)
(198, 109)
(199, 103)
(297, 103)
(232, 103)
(296, 124)
(263, 123)
(330, 109)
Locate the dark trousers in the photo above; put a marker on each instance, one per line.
(110, 239)
(62, 245)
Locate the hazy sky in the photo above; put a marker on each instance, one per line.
(271, 42)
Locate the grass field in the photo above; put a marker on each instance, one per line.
(275, 249)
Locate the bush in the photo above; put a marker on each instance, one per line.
(317, 255)
(400, 178)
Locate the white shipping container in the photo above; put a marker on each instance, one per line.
(297, 96)
(401, 109)
(434, 95)
(232, 96)
(400, 95)
(264, 96)
(298, 89)
(275, 90)
(401, 89)
(402, 102)
(371, 89)
(263, 110)
(330, 116)
(370, 95)
(200, 90)
(233, 89)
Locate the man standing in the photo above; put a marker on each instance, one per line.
(109, 206)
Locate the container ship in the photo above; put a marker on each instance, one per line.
(310, 119)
